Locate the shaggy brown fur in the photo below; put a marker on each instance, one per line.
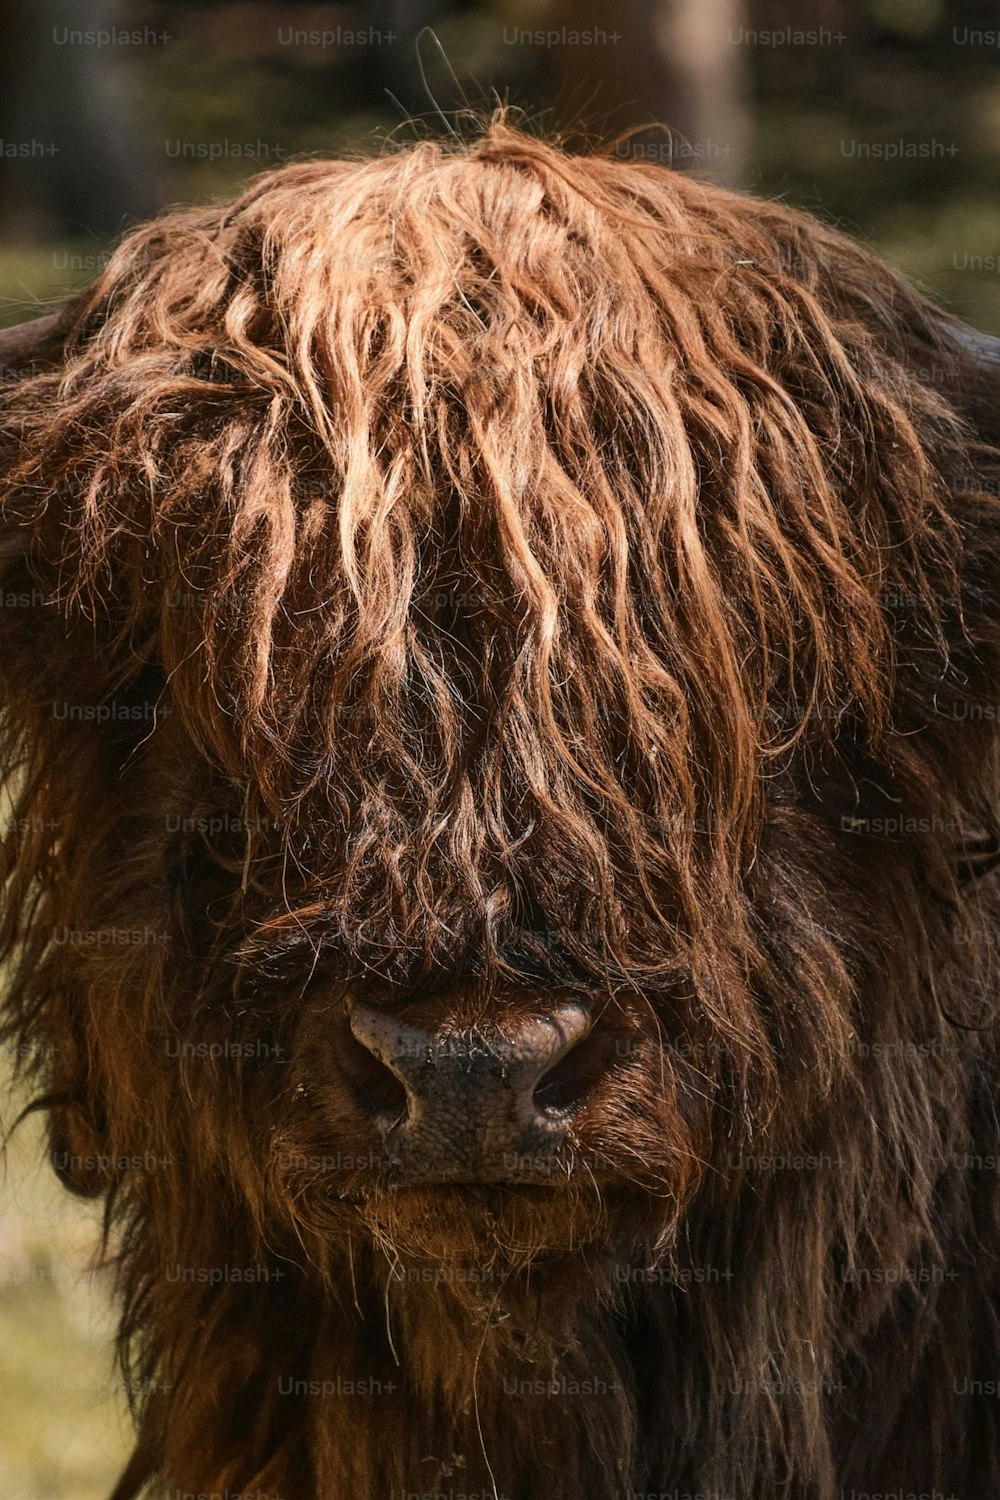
(469, 577)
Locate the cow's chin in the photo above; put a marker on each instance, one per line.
(499, 1227)
(491, 1229)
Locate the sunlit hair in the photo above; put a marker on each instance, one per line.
(520, 491)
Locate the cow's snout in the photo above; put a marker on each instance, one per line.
(477, 1104)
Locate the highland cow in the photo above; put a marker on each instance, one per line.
(500, 666)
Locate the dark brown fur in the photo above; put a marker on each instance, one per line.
(466, 577)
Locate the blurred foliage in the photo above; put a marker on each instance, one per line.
(64, 1432)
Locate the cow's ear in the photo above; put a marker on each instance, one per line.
(40, 657)
(77, 1147)
(78, 1152)
(32, 642)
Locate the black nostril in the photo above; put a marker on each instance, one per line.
(376, 1088)
(568, 1082)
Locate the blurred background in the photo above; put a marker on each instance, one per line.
(883, 116)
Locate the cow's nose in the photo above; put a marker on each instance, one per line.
(476, 1105)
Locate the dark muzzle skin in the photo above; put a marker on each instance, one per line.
(478, 1105)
